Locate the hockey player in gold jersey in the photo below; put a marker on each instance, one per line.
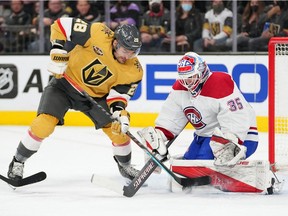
(105, 64)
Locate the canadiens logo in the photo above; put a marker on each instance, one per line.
(186, 65)
(98, 51)
(194, 117)
(6, 81)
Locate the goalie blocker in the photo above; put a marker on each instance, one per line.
(253, 176)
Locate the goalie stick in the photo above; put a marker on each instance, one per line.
(186, 182)
(37, 177)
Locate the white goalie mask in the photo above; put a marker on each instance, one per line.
(192, 72)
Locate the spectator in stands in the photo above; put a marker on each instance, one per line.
(188, 27)
(155, 24)
(217, 28)
(56, 9)
(85, 11)
(18, 16)
(35, 12)
(250, 24)
(124, 12)
(4, 11)
(28, 6)
(284, 32)
(15, 27)
(273, 23)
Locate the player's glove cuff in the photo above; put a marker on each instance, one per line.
(123, 122)
(58, 62)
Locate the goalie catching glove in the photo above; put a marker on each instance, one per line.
(122, 123)
(58, 62)
(155, 140)
(226, 150)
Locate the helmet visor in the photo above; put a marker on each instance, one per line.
(127, 52)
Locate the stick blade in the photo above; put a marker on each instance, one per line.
(37, 177)
(107, 183)
(199, 181)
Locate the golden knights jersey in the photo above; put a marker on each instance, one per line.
(217, 26)
(92, 64)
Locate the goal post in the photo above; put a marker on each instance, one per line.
(278, 103)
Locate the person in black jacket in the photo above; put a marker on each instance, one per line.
(55, 10)
(273, 24)
(14, 27)
(250, 26)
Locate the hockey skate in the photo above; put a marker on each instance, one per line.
(15, 171)
(127, 171)
(276, 186)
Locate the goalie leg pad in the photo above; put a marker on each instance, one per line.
(246, 176)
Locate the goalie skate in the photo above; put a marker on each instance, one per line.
(276, 185)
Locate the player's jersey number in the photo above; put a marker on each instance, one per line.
(235, 104)
(80, 26)
(132, 89)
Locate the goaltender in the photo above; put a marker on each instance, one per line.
(103, 63)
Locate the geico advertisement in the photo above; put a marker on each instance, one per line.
(23, 78)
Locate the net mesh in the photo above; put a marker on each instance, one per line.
(281, 106)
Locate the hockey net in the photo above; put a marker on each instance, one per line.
(278, 103)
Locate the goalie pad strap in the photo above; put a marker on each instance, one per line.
(221, 140)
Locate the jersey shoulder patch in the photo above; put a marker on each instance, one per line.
(102, 29)
(218, 85)
(177, 86)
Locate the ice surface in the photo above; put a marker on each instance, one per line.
(72, 154)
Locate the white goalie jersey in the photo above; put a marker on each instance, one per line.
(219, 104)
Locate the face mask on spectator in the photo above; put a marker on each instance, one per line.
(186, 7)
(155, 8)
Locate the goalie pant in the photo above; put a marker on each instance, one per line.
(246, 176)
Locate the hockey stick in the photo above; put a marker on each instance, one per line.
(131, 189)
(37, 177)
(186, 182)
